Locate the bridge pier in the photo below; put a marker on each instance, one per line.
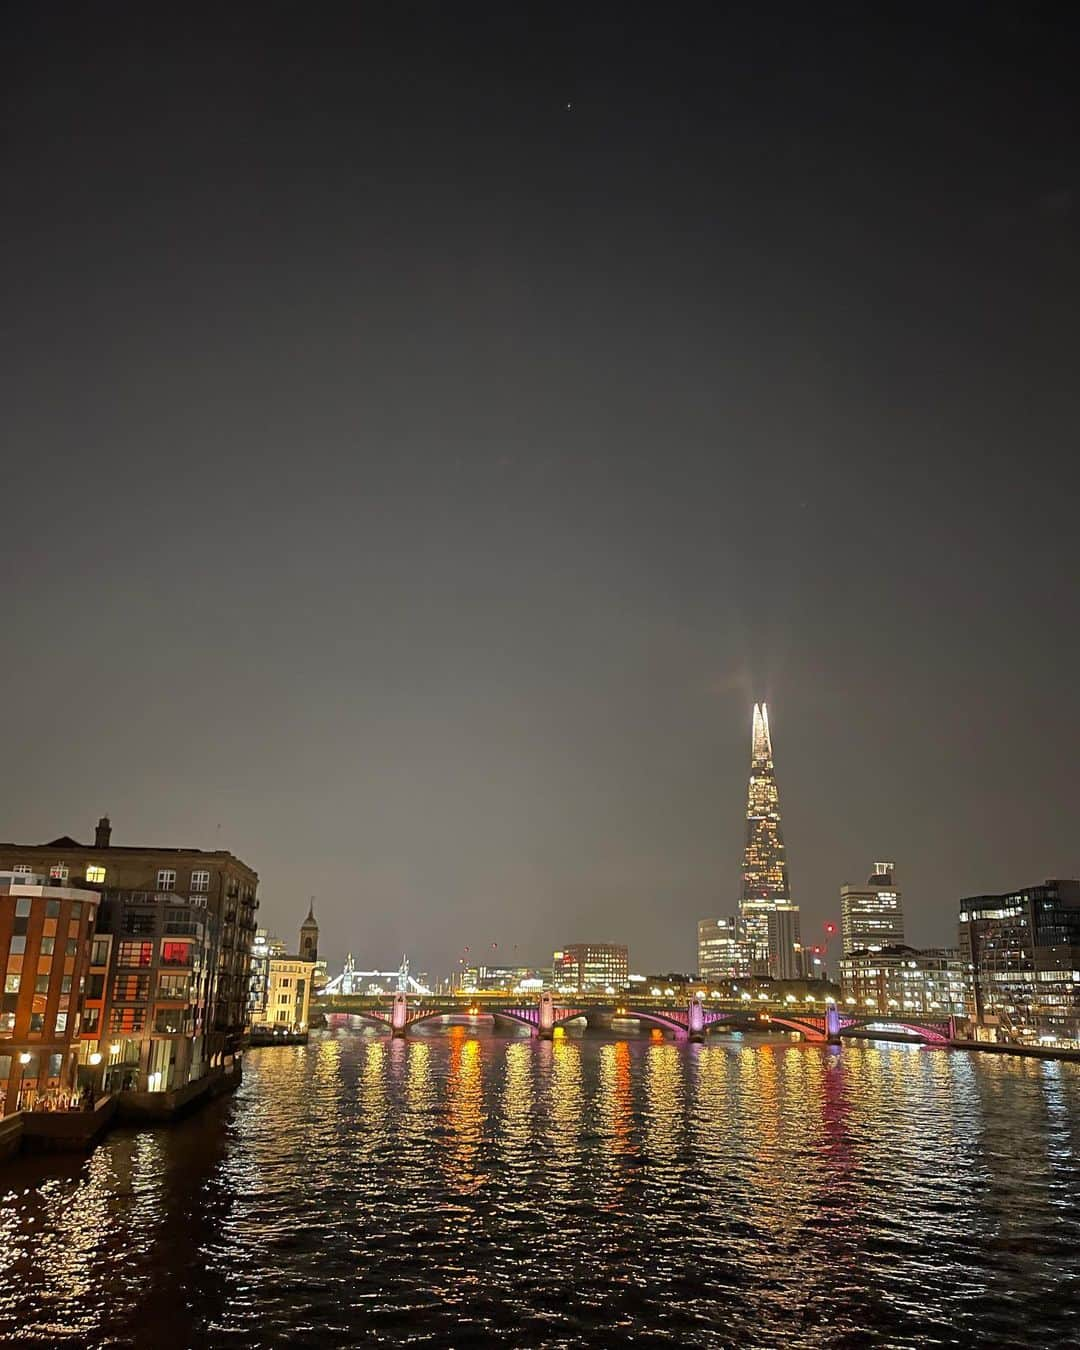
(832, 1024)
(399, 1015)
(545, 1026)
(695, 1020)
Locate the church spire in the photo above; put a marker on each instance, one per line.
(309, 935)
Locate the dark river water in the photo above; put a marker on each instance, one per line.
(466, 1188)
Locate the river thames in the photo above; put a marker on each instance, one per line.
(465, 1188)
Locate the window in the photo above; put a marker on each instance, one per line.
(61, 1023)
(71, 947)
(52, 909)
(170, 1021)
(94, 872)
(95, 986)
(139, 921)
(23, 869)
(100, 954)
(135, 954)
(173, 986)
(47, 946)
(90, 1019)
(22, 908)
(11, 984)
(37, 1021)
(131, 988)
(18, 944)
(41, 984)
(284, 998)
(7, 1023)
(127, 1020)
(176, 953)
(200, 881)
(58, 872)
(53, 1070)
(166, 879)
(65, 985)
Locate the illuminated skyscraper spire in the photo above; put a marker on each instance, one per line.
(765, 878)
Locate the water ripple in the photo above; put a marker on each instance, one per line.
(479, 1190)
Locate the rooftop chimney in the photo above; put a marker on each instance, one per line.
(103, 833)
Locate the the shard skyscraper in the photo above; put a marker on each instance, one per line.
(765, 908)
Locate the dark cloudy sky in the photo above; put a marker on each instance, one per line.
(420, 478)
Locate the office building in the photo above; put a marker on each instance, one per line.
(169, 986)
(1021, 952)
(872, 916)
(592, 968)
(898, 980)
(46, 928)
(785, 942)
(520, 979)
(285, 1006)
(765, 874)
(721, 951)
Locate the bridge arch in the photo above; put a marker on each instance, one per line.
(934, 1032)
(813, 1028)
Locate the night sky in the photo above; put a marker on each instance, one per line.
(428, 429)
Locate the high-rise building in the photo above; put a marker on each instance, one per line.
(1022, 955)
(785, 942)
(721, 951)
(46, 928)
(872, 916)
(765, 874)
(592, 968)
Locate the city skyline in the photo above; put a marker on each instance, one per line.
(428, 486)
(434, 436)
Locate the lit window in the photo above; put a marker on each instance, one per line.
(133, 954)
(23, 869)
(58, 872)
(200, 881)
(94, 872)
(166, 879)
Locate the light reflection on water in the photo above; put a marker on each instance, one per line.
(460, 1189)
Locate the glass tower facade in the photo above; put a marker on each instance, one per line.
(765, 875)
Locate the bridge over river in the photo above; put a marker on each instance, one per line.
(692, 1018)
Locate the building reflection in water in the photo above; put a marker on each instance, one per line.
(665, 1104)
(615, 1124)
(465, 1110)
(517, 1123)
(399, 1190)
